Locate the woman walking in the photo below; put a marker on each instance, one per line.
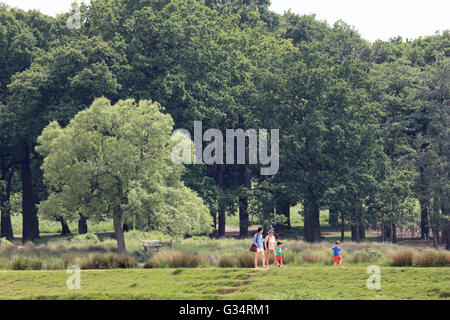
(258, 242)
(270, 244)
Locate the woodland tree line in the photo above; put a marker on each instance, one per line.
(364, 127)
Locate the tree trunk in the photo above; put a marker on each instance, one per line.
(35, 220)
(82, 225)
(28, 220)
(64, 227)
(435, 237)
(283, 207)
(6, 230)
(424, 225)
(6, 226)
(117, 220)
(333, 217)
(244, 181)
(382, 232)
(443, 237)
(362, 231)
(312, 219)
(387, 230)
(222, 213)
(214, 233)
(394, 233)
(342, 227)
(447, 236)
(446, 231)
(355, 232)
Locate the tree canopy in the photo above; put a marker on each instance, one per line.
(115, 161)
(363, 126)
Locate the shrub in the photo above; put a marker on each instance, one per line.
(104, 261)
(313, 257)
(246, 260)
(96, 261)
(5, 243)
(26, 263)
(53, 263)
(430, 258)
(289, 257)
(69, 260)
(87, 237)
(175, 259)
(124, 261)
(226, 261)
(424, 258)
(401, 258)
(298, 246)
(443, 258)
(367, 255)
(185, 260)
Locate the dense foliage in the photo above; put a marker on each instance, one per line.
(363, 126)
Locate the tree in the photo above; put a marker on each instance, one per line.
(23, 37)
(116, 161)
(395, 86)
(433, 146)
(56, 86)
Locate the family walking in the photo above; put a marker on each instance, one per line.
(270, 246)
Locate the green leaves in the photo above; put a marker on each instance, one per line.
(106, 151)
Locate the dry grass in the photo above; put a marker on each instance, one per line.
(227, 261)
(402, 257)
(432, 258)
(175, 259)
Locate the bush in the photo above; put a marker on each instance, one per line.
(443, 258)
(431, 258)
(87, 237)
(289, 257)
(53, 263)
(367, 255)
(402, 258)
(26, 263)
(227, 262)
(246, 260)
(298, 246)
(124, 261)
(107, 261)
(5, 243)
(175, 259)
(314, 257)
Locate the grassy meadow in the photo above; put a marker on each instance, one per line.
(206, 268)
(288, 283)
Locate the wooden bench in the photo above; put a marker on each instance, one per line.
(156, 244)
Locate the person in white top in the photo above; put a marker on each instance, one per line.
(270, 244)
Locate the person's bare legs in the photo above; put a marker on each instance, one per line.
(264, 260)
(275, 263)
(256, 259)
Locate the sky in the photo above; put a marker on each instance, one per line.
(374, 19)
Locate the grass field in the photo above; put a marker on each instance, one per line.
(208, 268)
(298, 283)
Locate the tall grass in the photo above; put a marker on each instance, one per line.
(94, 251)
(402, 257)
(176, 259)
